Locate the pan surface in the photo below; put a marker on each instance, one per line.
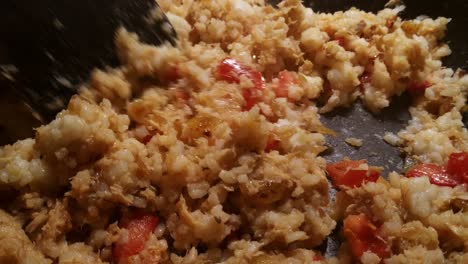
(359, 123)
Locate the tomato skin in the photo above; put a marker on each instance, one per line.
(250, 98)
(172, 74)
(345, 173)
(231, 70)
(437, 174)
(139, 228)
(343, 166)
(355, 178)
(363, 236)
(182, 95)
(341, 41)
(272, 144)
(146, 139)
(457, 165)
(285, 79)
(419, 87)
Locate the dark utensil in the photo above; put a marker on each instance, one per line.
(54, 44)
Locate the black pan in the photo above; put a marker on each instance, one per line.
(357, 122)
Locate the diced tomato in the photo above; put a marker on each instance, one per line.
(139, 227)
(251, 98)
(437, 174)
(346, 173)
(455, 173)
(343, 166)
(272, 144)
(355, 178)
(172, 74)
(285, 79)
(182, 95)
(341, 41)
(419, 87)
(457, 166)
(146, 139)
(363, 236)
(231, 70)
(257, 79)
(318, 257)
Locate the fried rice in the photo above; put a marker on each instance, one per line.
(210, 152)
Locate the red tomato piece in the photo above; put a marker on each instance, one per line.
(437, 174)
(343, 166)
(272, 144)
(318, 257)
(341, 41)
(363, 236)
(457, 166)
(345, 173)
(286, 79)
(250, 98)
(182, 95)
(146, 139)
(257, 79)
(356, 178)
(231, 70)
(419, 87)
(172, 74)
(139, 228)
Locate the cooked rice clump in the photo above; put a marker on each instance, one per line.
(164, 134)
